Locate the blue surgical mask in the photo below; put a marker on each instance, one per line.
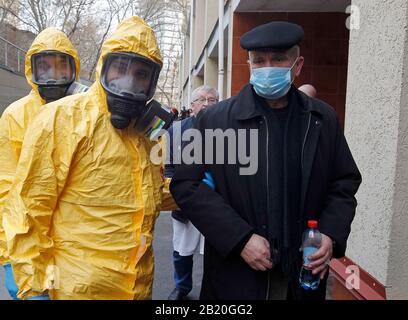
(272, 82)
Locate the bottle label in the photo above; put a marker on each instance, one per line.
(307, 251)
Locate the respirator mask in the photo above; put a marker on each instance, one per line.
(53, 72)
(130, 81)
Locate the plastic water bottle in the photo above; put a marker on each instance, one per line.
(312, 240)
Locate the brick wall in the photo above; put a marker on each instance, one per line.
(21, 38)
(12, 88)
(325, 48)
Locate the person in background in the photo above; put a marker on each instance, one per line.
(51, 65)
(186, 238)
(309, 90)
(175, 112)
(185, 113)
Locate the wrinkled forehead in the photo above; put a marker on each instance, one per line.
(206, 94)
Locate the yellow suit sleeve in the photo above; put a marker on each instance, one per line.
(10, 144)
(41, 174)
(168, 202)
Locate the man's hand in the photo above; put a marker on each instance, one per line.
(320, 260)
(257, 253)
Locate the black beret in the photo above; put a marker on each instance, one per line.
(276, 35)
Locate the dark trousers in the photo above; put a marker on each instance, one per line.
(183, 272)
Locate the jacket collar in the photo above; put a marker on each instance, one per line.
(246, 105)
(307, 103)
(247, 108)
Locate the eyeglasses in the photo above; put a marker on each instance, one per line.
(208, 100)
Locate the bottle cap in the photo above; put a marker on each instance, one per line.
(312, 224)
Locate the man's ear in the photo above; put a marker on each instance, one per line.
(299, 66)
(249, 61)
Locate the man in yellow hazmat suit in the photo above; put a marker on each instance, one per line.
(80, 215)
(51, 66)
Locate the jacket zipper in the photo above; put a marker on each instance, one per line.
(304, 140)
(267, 192)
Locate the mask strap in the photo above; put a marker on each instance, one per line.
(294, 63)
(290, 71)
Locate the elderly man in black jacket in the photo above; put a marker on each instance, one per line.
(253, 223)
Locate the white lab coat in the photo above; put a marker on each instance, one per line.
(187, 240)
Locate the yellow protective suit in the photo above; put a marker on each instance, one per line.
(81, 212)
(19, 114)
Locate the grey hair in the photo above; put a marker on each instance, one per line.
(205, 88)
(294, 52)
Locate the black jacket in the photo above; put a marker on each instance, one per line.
(169, 168)
(182, 126)
(228, 215)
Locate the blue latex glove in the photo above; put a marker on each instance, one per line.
(208, 180)
(12, 288)
(41, 297)
(9, 281)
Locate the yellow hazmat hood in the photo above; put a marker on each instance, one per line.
(133, 35)
(50, 39)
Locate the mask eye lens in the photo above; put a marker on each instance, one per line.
(128, 75)
(53, 68)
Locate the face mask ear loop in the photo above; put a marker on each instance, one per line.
(290, 71)
(294, 63)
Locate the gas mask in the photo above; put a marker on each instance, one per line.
(154, 119)
(53, 73)
(130, 81)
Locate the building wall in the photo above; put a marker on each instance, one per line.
(325, 48)
(204, 19)
(184, 99)
(225, 86)
(12, 88)
(211, 72)
(185, 59)
(197, 82)
(377, 131)
(211, 16)
(20, 38)
(199, 29)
